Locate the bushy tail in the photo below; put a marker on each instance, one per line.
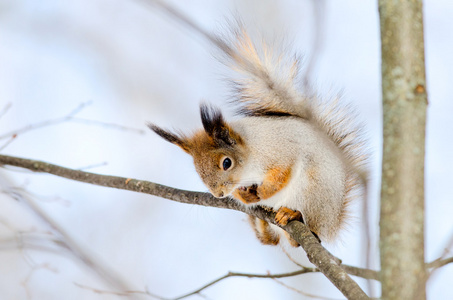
(269, 83)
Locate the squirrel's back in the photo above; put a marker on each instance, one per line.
(331, 151)
(317, 183)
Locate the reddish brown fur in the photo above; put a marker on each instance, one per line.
(200, 141)
(275, 180)
(269, 236)
(264, 231)
(247, 195)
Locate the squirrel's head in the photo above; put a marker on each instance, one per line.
(218, 151)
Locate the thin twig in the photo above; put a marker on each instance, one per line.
(292, 259)
(351, 270)
(302, 292)
(12, 138)
(46, 123)
(199, 290)
(107, 124)
(248, 275)
(34, 268)
(23, 240)
(442, 260)
(436, 264)
(361, 272)
(447, 248)
(123, 293)
(5, 109)
(71, 117)
(367, 230)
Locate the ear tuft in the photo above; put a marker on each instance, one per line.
(211, 117)
(170, 137)
(216, 127)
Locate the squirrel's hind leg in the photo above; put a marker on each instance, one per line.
(284, 216)
(271, 236)
(264, 232)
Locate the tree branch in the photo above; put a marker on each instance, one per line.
(317, 254)
(440, 262)
(236, 274)
(367, 274)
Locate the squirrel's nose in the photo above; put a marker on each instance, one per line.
(218, 194)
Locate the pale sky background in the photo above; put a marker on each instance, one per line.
(135, 64)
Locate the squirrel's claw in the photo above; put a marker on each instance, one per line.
(285, 215)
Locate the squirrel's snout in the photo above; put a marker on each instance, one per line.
(219, 194)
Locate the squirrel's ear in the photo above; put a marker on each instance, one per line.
(170, 137)
(216, 127)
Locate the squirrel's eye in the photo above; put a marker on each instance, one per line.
(226, 163)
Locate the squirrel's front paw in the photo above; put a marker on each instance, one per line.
(247, 194)
(285, 215)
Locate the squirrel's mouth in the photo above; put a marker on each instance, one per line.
(251, 188)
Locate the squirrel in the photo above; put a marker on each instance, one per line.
(298, 155)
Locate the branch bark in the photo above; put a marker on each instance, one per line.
(317, 254)
(403, 274)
